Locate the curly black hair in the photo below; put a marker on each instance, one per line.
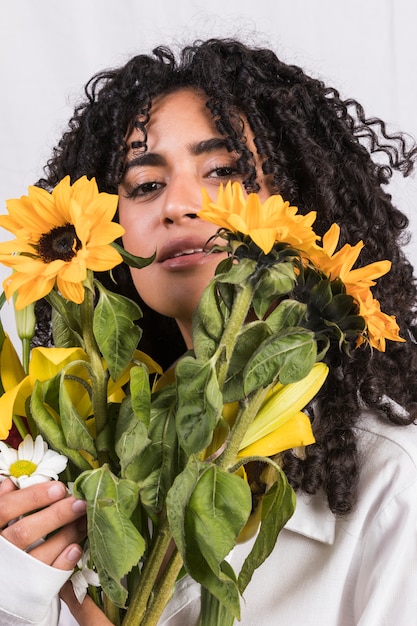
(322, 154)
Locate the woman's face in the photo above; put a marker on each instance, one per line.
(160, 194)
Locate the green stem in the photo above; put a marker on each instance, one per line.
(99, 376)
(111, 610)
(163, 591)
(25, 354)
(251, 406)
(238, 315)
(140, 599)
(244, 419)
(21, 428)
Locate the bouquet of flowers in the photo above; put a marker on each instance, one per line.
(164, 459)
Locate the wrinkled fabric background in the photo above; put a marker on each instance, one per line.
(367, 49)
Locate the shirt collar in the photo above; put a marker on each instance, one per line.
(312, 518)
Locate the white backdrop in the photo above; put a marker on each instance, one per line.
(49, 48)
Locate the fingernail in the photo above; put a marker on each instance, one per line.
(74, 554)
(79, 506)
(56, 490)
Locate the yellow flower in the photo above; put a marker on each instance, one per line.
(358, 283)
(59, 236)
(267, 223)
(12, 375)
(280, 423)
(44, 364)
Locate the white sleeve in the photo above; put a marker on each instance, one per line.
(387, 582)
(29, 588)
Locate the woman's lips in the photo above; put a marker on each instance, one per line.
(183, 253)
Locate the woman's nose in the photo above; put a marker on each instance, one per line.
(182, 200)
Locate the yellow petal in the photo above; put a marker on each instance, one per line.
(102, 258)
(294, 433)
(331, 238)
(13, 247)
(284, 402)
(71, 291)
(32, 290)
(48, 362)
(105, 234)
(13, 402)
(11, 369)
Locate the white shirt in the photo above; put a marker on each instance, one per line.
(359, 570)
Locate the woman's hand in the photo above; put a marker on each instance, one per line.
(46, 508)
(86, 613)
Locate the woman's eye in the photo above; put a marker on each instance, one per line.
(227, 171)
(144, 189)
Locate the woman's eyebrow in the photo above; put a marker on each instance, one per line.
(146, 158)
(206, 146)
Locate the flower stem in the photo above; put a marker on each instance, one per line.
(140, 599)
(251, 405)
(111, 610)
(237, 317)
(20, 426)
(99, 375)
(163, 591)
(25, 354)
(245, 417)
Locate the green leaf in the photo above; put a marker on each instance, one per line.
(76, 433)
(159, 463)
(141, 393)
(200, 403)
(290, 355)
(208, 323)
(321, 294)
(131, 438)
(115, 544)
(248, 340)
(278, 506)
(288, 313)
(131, 259)
(44, 407)
(66, 330)
(273, 282)
(213, 612)
(207, 508)
(238, 273)
(114, 329)
(340, 307)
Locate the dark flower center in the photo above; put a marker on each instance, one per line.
(60, 243)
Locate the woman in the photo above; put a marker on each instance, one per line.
(156, 131)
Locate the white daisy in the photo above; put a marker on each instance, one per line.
(31, 463)
(83, 577)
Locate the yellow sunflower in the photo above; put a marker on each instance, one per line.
(265, 223)
(358, 283)
(59, 236)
